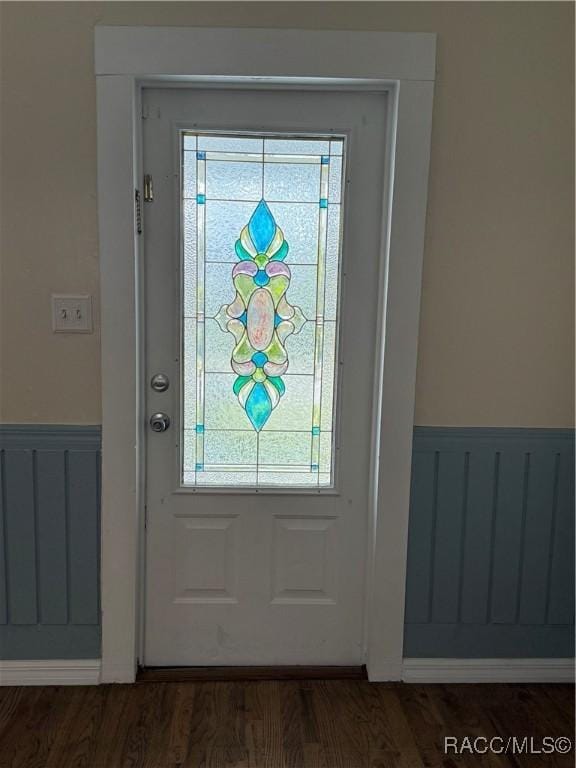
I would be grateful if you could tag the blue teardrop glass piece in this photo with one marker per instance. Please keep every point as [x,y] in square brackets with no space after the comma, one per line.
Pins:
[261,278]
[262,227]
[258,406]
[259,358]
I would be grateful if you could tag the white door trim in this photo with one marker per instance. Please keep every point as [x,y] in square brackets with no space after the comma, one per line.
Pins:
[127,58]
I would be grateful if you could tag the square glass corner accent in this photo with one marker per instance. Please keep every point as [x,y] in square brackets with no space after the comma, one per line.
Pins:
[261,243]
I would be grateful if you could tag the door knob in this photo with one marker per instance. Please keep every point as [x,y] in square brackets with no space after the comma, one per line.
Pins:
[159,422]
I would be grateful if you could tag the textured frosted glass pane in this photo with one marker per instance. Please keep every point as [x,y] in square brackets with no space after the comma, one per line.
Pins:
[226,479]
[328,375]
[299,222]
[189,478]
[335,180]
[302,290]
[285,448]
[219,287]
[190,262]
[219,346]
[229,144]
[297,146]
[224,222]
[222,410]
[189,175]
[332,259]
[228,447]
[300,347]
[189,373]
[295,409]
[324,478]
[189,450]
[283,479]
[233,181]
[325,451]
[189,142]
[292,181]
[337,147]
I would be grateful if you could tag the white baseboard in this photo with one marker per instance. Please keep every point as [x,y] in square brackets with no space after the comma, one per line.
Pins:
[87,671]
[50,672]
[488,671]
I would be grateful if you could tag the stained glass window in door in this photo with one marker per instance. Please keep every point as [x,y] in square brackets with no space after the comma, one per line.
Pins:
[261,236]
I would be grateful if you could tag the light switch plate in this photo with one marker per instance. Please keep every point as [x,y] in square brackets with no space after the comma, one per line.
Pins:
[71,314]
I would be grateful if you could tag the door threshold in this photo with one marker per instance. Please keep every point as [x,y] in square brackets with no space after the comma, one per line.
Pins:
[199,674]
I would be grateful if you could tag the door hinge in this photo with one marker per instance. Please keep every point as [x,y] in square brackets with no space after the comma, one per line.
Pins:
[148,189]
[138,212]
[145,516]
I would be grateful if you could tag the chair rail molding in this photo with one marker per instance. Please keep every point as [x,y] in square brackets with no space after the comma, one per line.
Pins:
[128,59]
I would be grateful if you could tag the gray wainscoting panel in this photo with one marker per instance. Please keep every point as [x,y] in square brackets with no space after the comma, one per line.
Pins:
[49,542]
[491,543]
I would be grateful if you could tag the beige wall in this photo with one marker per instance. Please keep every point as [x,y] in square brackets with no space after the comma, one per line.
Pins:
[496,339]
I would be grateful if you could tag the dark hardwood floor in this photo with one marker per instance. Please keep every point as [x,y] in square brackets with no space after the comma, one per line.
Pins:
[270,724]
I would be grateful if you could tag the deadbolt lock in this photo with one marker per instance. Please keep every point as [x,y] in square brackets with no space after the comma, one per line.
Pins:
[159,422]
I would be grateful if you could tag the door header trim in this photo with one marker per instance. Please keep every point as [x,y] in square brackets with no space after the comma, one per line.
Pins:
[264,53]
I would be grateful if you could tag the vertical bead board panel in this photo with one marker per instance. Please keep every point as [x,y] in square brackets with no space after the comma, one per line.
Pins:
[49,542]
[491,544]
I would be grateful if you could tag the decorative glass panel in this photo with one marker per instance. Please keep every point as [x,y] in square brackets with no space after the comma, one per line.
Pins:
[261,261]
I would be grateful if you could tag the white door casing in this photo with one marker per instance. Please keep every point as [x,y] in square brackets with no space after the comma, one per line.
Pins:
[403,65]
[277,575]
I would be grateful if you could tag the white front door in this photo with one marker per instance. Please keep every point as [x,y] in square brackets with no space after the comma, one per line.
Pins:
[261,277]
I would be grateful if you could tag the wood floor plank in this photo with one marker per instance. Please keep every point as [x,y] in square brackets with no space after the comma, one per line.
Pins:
[203,725]
[36,731]
[426,722]
[144,706]
[75,738]
[158,743]
[291,719]
[276,724]
[116,723]
[339,752]
[10,702]
[561,698]
[183,695]
[391,734]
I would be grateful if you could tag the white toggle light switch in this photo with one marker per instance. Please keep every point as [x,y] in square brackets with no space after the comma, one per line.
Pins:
[71,314]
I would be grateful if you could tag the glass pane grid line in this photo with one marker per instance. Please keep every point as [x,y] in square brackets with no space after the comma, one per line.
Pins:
[262,468]
[319,336]
[200,306]
[266,431]
[209,198]
[259,157]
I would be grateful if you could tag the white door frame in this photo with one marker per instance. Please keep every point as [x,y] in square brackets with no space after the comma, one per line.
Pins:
[128,58]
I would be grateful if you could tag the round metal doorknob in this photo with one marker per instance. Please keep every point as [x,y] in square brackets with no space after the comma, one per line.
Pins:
[159,422]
